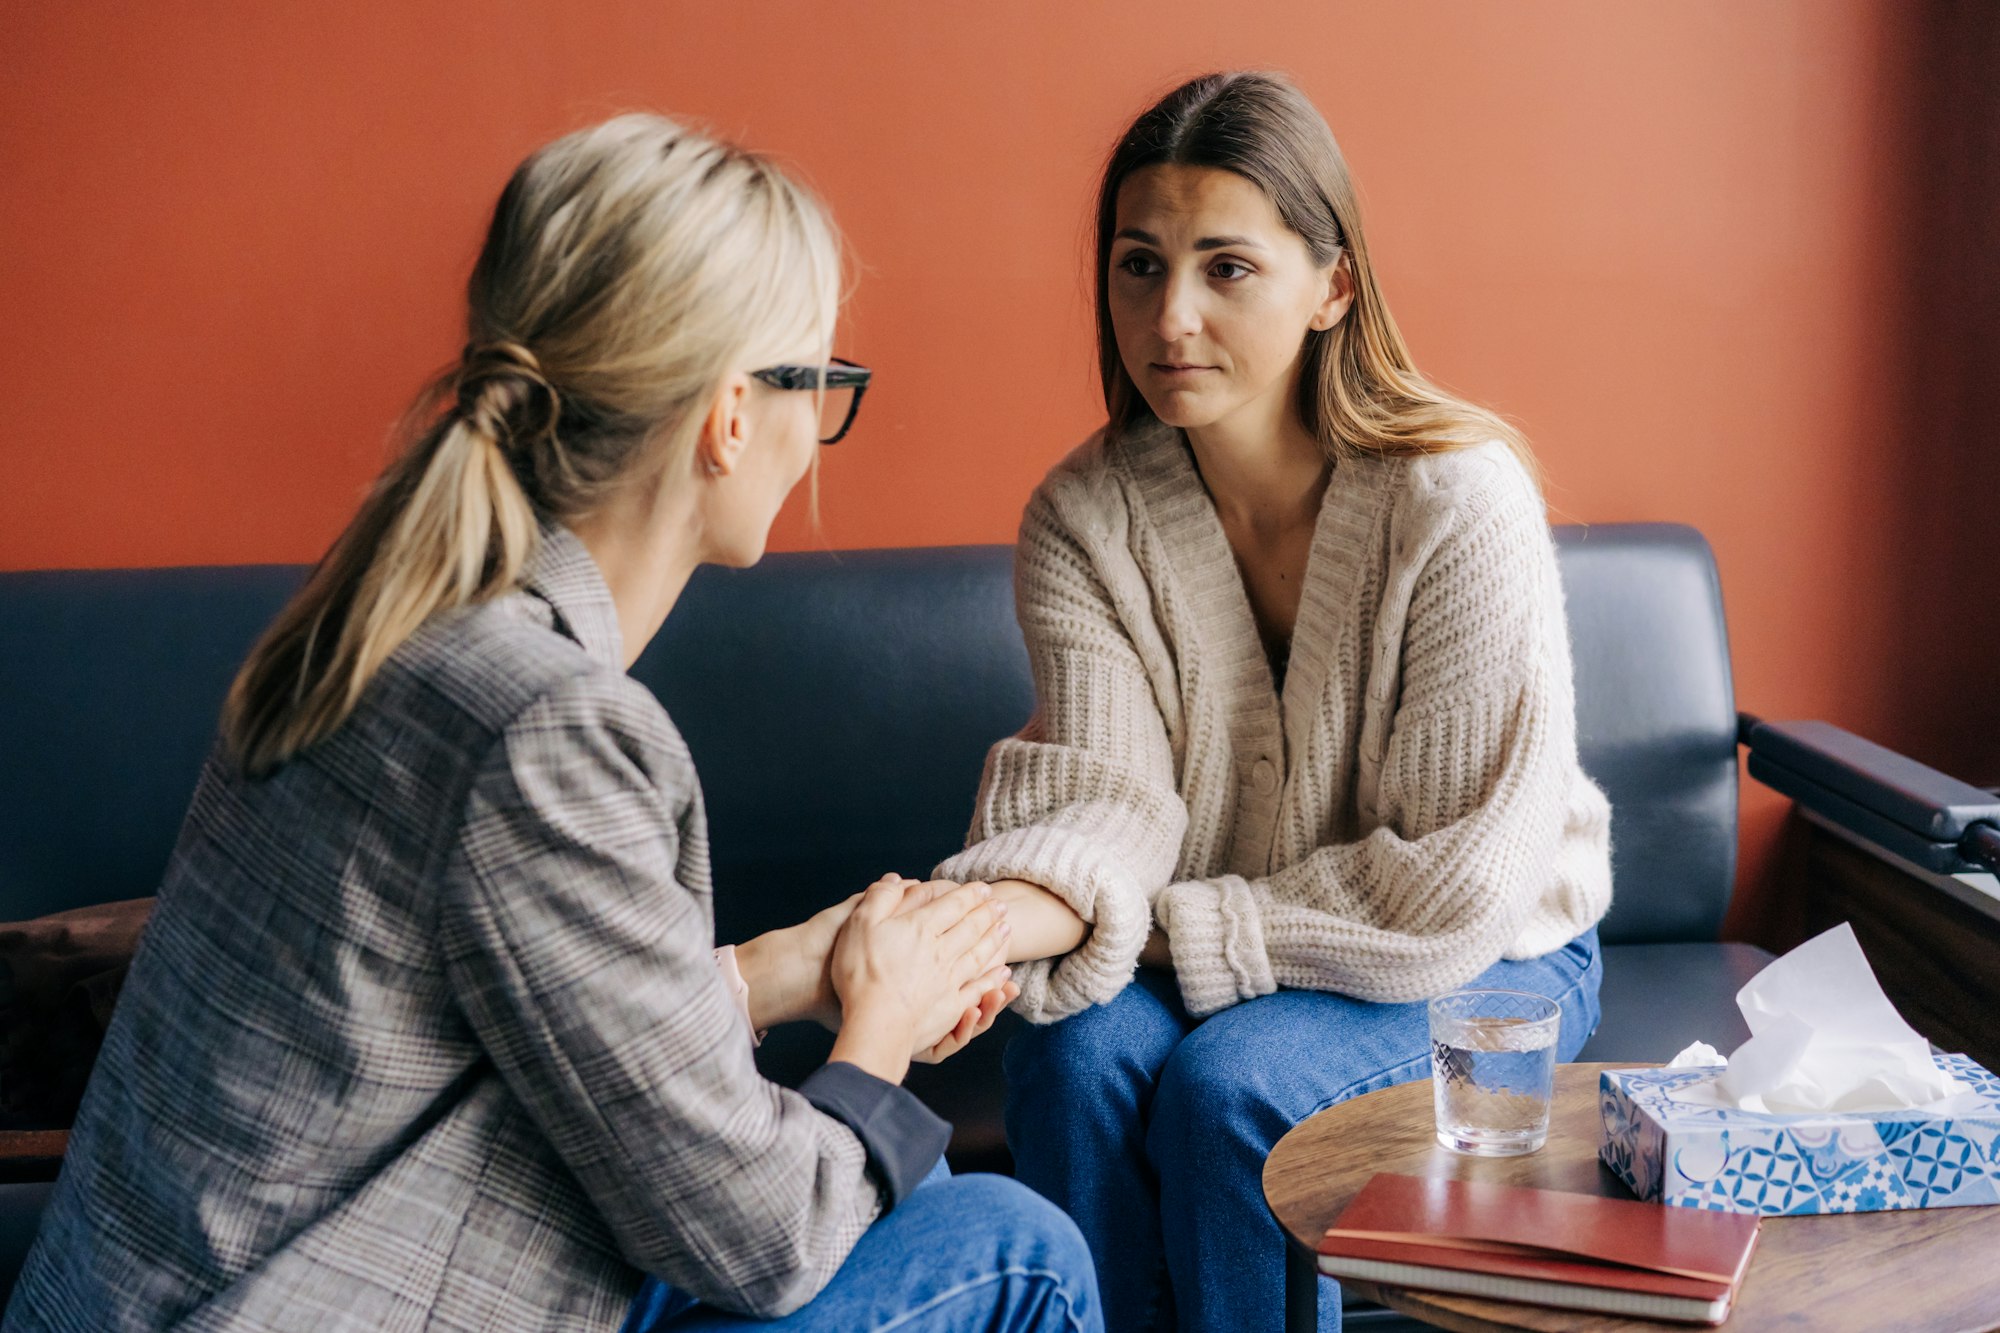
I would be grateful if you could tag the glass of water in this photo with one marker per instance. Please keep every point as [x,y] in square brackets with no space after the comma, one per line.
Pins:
[1493,1070]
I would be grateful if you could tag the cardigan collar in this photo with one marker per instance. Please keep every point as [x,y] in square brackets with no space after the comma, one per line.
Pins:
[563,574]
[1261,720]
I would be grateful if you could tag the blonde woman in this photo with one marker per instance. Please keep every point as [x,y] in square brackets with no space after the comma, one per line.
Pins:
[428,1031]
[1305,733]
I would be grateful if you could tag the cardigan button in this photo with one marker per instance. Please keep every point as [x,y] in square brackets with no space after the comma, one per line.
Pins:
[1264,777]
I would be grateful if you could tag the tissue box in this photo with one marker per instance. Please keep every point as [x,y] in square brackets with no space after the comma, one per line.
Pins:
[1694,1156]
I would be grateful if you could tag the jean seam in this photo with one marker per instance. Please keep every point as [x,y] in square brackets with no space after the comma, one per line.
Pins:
[1576,988]
[1158,1288]
[1576,983]
[1379,1074]
[1034,1274]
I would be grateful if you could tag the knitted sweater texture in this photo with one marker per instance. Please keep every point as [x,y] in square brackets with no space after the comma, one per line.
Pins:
[1407,812]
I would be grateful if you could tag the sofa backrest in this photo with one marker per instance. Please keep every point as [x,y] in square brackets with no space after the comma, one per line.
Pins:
[839,707]
[110,685]
[1656,721]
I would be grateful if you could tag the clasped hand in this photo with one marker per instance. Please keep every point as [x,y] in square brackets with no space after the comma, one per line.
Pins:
[929,958]
[915,965]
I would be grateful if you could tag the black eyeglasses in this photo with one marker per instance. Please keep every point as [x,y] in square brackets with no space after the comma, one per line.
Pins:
[841,385]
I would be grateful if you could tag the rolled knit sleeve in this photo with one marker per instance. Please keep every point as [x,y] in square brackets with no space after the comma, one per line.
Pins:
[1470,793]
[1083,801]
[580,953]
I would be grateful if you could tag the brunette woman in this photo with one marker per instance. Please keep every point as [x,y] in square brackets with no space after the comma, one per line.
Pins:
[1305,734]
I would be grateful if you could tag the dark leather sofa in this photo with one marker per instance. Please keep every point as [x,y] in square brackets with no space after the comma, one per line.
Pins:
[839,706]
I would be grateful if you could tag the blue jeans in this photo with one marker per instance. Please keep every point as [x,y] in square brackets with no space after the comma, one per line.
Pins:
[966,1254]
[1150,1128]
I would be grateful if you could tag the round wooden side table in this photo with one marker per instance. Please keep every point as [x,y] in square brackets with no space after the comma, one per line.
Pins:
[1913,1271]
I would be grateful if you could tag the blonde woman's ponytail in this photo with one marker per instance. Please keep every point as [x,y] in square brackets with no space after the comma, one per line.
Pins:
[448,524]
[627,267]
[467,529]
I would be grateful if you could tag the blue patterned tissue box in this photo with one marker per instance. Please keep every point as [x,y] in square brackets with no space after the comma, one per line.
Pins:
[1693,1156]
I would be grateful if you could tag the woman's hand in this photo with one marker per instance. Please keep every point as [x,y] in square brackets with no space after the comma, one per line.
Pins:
[906,978]
[975,1020]
[787,970]
[789,973]
[1000,991]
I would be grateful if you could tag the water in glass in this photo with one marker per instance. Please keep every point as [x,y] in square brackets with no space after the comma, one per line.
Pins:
[1493,1068]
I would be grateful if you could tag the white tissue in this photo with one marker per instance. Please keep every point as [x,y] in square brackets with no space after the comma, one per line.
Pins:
[1825,1038]
[1700,1053]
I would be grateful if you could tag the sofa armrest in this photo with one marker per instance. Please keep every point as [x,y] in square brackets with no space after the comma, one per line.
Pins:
[31,1155]
[1903,854]
[1906,808]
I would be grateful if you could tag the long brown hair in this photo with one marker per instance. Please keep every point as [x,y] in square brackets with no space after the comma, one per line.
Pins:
[1359,391]
[628,268]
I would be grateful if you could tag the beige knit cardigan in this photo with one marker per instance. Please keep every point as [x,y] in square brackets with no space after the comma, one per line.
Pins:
[1409,811]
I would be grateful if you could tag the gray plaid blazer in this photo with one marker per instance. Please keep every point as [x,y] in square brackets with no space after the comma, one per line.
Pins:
[425,1032]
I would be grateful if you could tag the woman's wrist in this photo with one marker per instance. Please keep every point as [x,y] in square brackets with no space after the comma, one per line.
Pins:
[784,983]
[878,1048]
[1044,926]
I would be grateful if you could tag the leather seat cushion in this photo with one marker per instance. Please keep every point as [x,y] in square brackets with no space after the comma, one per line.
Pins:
[1657,998]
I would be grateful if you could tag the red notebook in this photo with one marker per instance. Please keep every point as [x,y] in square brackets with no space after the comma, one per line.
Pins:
[1542,1247]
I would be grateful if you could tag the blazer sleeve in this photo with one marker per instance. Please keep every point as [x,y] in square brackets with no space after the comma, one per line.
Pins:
[1083,801]
[1477,806]
[584,964]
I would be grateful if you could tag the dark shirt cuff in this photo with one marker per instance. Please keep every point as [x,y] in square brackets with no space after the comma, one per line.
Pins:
[903,1138]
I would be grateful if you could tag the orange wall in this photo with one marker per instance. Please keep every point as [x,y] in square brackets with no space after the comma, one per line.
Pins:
[232,238]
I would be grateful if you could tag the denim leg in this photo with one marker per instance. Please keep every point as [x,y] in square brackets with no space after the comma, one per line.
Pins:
[1230,1092]
[968,1254]
[1571,976]
[657,1304]
[1242,1079]
[1078,1095]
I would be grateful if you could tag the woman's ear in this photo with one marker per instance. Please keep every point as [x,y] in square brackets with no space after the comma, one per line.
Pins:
[726,431]
[1339,295]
